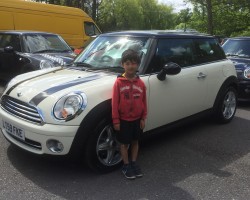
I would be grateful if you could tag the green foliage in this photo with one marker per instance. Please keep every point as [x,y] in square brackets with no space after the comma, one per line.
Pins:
[229,17]
[134,14]
[219,17]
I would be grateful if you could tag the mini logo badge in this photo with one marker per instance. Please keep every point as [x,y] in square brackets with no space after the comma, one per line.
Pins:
[19,94]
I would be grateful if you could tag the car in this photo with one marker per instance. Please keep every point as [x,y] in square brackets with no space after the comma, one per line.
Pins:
[25,51]
[237,49]
[67,111]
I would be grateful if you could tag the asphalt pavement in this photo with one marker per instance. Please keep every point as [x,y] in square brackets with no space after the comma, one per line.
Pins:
[203,160]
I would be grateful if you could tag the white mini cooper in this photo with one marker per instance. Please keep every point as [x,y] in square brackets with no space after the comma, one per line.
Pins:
[67,111]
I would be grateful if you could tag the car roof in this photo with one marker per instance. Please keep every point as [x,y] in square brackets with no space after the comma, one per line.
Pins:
[158,33]
[21,32]
[240,38]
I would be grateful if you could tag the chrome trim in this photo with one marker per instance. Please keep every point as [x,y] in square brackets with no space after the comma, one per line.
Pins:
[22,110]
[82,108]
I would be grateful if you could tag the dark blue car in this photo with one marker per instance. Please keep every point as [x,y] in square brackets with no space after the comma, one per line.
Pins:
[238,50]
[25,51]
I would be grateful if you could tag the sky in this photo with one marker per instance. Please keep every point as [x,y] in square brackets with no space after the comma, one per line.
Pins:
[177,4]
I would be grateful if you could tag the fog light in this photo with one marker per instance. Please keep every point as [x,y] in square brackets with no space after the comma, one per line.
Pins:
[54,146]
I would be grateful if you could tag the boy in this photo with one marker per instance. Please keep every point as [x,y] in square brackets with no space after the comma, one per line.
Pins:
[129,111]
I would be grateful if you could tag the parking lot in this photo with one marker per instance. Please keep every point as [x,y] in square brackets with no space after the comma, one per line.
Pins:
[200,161]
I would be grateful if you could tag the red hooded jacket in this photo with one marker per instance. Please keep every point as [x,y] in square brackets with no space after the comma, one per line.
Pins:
[129,100]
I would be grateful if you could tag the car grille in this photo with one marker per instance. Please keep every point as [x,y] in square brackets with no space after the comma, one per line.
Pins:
[21,109]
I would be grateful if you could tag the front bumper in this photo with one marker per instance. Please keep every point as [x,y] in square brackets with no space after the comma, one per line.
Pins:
[36,136]
[244,91]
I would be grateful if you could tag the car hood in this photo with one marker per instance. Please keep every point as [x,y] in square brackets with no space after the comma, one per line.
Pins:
[240,63]
[61,58]
[35,87]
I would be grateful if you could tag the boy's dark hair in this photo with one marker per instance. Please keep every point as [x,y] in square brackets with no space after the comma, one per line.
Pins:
[130,55]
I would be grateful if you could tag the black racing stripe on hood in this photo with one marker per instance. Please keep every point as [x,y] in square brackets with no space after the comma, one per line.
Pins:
[14,86]
[43,95]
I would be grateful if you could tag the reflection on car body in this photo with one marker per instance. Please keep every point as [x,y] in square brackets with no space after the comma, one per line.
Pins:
[22,52]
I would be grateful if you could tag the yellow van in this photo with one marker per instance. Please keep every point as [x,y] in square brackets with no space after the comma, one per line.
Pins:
[73,24]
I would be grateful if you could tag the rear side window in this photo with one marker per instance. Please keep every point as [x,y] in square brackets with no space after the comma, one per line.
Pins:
[207,50]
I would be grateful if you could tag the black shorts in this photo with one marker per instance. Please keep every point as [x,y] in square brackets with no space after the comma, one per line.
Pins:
[129,131]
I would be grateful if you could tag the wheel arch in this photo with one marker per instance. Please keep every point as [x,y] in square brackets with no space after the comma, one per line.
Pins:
[230,81]
[99,112]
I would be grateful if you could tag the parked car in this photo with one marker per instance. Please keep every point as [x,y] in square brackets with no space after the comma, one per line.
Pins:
[22,51]
[238,50]
[67,111]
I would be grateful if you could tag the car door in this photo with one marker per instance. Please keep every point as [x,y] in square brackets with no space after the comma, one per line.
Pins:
[178,96]
[9,59]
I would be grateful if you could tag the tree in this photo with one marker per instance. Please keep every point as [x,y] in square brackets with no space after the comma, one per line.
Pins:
[183,18]
[224,17]
[134,14]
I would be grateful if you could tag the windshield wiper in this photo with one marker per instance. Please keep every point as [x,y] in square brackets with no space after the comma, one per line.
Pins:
[63,50]
[46,50]
[81,64]
[107,68]
[238,55]
[243,56]
[231,54]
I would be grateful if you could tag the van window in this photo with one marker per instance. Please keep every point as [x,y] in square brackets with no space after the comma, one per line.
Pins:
[91,29]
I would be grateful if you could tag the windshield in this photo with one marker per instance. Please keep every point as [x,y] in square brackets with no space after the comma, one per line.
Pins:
[239,48]
[38,43]
[105,52]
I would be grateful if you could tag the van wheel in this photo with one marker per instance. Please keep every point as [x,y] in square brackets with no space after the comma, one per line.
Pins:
[227,105]
[102,152]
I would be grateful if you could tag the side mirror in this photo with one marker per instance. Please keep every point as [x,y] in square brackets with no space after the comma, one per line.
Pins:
[9,49]
[169,69]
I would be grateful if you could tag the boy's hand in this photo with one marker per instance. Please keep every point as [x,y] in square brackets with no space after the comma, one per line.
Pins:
[117,127]
[142,124]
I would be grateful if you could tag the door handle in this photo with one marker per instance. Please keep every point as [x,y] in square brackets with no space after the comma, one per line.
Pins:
[201,75]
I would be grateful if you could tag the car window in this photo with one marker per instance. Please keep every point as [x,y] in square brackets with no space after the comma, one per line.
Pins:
[10,40]
[207,50]
[107,51]
[91,29]
[237,47]
[179,51]
[35,43]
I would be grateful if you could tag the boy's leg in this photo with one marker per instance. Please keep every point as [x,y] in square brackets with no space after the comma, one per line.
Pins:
[126,169]
[134,150]
[124,153]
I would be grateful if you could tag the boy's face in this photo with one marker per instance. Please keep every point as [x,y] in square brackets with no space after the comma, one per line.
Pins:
[130,67]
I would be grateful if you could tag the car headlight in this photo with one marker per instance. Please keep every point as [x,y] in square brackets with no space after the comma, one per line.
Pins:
[69,106]
[247,72]
[45,64]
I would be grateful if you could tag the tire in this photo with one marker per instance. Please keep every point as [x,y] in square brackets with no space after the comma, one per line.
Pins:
[102,153]
[227,105]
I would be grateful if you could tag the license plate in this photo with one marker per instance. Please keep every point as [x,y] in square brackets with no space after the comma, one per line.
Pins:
[13,130]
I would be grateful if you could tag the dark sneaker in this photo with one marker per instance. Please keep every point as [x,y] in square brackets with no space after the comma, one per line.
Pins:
[128,172]
[137,170]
